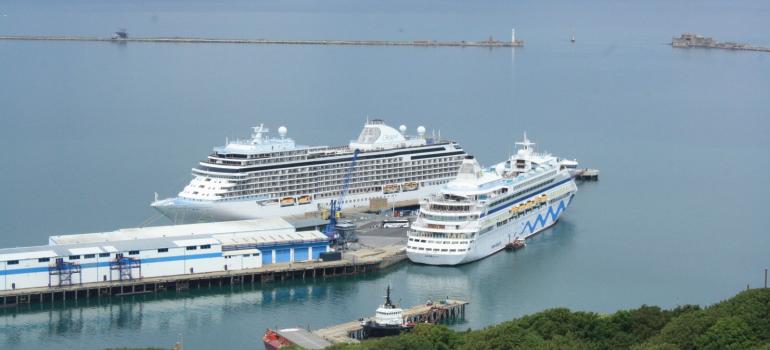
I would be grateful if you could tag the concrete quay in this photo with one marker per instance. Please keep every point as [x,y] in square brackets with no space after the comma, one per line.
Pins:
[437,312]
[192,40]
[357,262]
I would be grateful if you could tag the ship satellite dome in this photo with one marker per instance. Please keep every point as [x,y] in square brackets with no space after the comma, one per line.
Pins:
[282,131]
[521,152]
[421,130]
[402,128]
[500,169]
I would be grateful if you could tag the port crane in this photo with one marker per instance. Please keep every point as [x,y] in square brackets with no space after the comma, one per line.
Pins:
[336,205]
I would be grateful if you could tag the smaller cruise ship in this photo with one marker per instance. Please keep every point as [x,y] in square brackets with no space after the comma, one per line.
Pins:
[484,209]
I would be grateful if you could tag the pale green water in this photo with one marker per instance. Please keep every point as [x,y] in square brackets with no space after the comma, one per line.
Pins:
[90,131]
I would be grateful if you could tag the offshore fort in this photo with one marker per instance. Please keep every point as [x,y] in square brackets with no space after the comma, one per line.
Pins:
[687,40]
[122,37]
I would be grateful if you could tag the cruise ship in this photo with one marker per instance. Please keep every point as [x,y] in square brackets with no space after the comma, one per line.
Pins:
[268,176]
[484,209]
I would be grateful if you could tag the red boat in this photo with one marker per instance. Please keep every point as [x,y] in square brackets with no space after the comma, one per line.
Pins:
[273,341]
[276,339]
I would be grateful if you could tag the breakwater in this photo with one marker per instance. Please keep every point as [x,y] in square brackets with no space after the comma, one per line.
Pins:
[193,40]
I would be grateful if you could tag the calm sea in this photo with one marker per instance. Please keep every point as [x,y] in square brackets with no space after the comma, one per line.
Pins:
[89,131]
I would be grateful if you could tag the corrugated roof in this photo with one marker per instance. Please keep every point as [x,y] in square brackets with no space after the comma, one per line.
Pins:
[279,232]
[241,226]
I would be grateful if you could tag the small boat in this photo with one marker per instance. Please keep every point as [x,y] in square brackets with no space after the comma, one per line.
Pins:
[388,320]
[391,188]
[306,199]
[287,201]
[517,243]
[293,337]
[410,186]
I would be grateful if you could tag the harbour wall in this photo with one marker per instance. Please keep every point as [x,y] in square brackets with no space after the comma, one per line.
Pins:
[192,40]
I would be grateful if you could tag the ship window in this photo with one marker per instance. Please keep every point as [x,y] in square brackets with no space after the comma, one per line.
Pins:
[13,262]
[192,247]
[133,252]
[89,256]
[206,246]
[104,255]
[44,260]
[163,250]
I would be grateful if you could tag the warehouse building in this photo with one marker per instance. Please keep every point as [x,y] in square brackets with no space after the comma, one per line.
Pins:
[128,254]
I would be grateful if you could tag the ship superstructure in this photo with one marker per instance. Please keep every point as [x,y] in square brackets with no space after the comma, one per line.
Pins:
[272,176]
[388,320]
[484,209]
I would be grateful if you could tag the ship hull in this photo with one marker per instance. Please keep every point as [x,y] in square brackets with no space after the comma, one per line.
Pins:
[495,240]
[375,331]
[181,211]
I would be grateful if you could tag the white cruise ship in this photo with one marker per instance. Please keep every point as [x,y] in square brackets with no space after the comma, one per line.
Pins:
[273,177]
[483,210]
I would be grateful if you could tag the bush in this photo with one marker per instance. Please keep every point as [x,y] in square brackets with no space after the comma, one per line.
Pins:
[740,322]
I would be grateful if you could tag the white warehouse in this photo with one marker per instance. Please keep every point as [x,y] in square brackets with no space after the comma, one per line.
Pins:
[129,254]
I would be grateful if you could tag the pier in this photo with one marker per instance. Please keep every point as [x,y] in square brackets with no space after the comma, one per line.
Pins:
[438,312]
[194,40]
[587,174]
[353,263]
[687,40]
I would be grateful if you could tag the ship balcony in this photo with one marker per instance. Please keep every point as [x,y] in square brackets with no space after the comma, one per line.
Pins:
[451,210]
[419,228]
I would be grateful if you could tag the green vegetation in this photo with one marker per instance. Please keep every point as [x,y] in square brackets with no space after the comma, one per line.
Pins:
[741,322]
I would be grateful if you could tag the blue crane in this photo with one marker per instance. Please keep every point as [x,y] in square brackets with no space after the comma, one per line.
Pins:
[336,205]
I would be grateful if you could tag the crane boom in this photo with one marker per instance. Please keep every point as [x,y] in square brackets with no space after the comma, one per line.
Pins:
[336,205]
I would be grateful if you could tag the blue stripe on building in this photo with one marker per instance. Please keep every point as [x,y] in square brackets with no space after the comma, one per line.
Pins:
[107,263]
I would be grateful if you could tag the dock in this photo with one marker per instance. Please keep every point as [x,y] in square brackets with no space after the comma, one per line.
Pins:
[358,262]
[688,40]
[490,43]
[587,174]
[438,312]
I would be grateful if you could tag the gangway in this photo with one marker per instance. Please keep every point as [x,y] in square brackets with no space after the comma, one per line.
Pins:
[64,271]
[126,267]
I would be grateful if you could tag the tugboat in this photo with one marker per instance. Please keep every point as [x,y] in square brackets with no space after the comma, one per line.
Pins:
[388,320]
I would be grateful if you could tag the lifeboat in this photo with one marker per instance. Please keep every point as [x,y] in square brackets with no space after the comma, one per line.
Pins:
[391,188]
[306,199]
[268,202]
[410,186]
[287,201]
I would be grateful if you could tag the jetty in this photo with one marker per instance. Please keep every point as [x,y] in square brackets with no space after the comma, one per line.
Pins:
[688,40]
[436,312]
[587,174]
[124,38]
